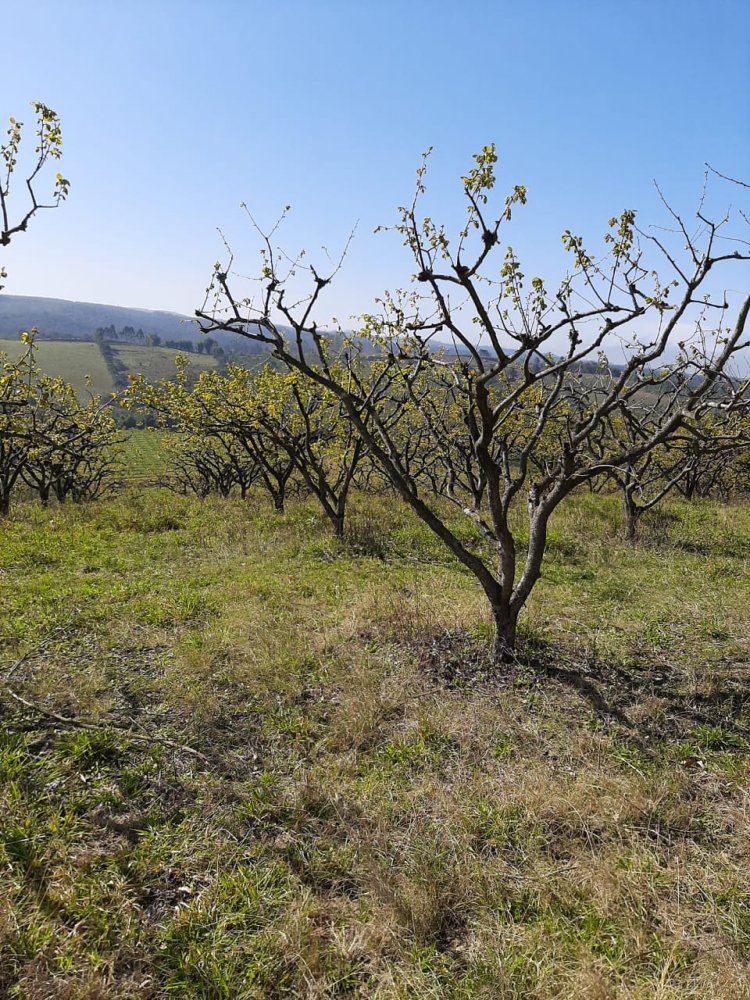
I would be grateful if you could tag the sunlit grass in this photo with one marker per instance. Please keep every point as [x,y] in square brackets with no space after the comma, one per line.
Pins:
[376,814]
[77,362]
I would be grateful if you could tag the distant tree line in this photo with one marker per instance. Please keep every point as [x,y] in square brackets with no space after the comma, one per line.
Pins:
[130,335]
[126,334]
[117,370]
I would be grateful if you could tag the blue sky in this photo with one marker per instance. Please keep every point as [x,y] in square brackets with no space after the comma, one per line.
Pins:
[175,112]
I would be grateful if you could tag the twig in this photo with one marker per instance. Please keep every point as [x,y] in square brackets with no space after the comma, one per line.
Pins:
[82,724]
[143,737]
[724,177]
[19,663]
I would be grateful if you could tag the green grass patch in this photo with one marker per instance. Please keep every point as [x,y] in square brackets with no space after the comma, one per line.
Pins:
[354,822]
[144,454]
[156,363]
[81,364]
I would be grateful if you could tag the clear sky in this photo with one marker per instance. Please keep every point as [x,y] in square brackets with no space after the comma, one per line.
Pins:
[175,111]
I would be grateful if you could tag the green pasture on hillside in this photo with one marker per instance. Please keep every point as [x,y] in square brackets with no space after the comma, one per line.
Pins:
[158,362]
[75,361]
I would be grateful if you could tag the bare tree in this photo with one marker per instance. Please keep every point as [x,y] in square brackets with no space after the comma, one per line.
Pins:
[221,432]
[77,447]
[693,462]
[49,439]
[16,425]
[48,147]
[14,430]
[528,370]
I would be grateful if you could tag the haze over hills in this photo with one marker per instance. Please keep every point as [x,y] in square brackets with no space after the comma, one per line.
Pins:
[62,319]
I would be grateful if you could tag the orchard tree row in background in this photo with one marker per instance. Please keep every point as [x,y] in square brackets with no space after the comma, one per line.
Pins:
[527,407]
[272,430]
[523,406]
[269,427]
[51,442]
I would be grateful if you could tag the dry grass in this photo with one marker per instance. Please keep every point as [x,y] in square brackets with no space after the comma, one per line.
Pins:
[381,815]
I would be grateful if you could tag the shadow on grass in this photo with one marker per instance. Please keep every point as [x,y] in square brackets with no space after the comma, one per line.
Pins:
[626,692]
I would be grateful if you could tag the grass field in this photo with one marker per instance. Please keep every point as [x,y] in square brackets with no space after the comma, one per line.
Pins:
[144,455]
[158,362]
[359,807]
[73,361]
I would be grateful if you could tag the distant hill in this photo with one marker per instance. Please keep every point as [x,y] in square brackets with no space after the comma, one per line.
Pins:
[67,345]
[63,319]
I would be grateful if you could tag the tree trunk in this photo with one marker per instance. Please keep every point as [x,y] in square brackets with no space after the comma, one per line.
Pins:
[4,503]
[504,642]
[632,514]
[631,528]
[278,501]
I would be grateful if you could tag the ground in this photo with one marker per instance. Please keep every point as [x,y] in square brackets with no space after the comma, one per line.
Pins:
[301,777]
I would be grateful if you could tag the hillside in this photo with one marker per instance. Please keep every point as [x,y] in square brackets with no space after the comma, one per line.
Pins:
[77,362]
[71,361]
[158,362]
[78,320]
[61,319]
